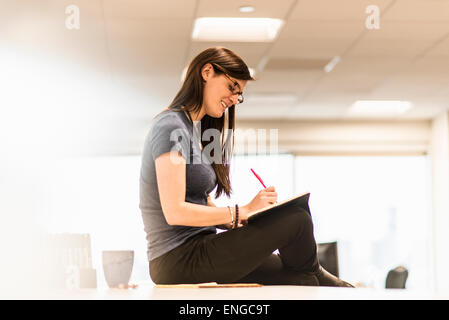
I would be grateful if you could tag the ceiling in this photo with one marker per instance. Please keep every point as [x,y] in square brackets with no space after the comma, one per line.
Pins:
[135,51]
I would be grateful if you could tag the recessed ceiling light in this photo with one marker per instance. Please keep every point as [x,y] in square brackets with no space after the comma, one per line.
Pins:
[379,107]
[246,9]
[236,29]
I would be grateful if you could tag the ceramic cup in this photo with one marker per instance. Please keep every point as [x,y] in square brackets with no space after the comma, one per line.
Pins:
[117,266]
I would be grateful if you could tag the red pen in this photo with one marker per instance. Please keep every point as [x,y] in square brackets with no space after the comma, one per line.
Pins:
[257,176]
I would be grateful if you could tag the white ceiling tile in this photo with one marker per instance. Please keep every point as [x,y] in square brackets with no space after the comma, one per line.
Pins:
[43,32]
[147,92]
[381,47]
[136,46]
[407,87]
[284,81]
[335,98]
[442,95]
[426,111]
[413,30]
[318,29]
[325,48]
[262,112]
[230,8]
[439,49]
[133,56]
[251,53]
[46,9]
[376,66]
[159,9]
[150,29]
[317,112]
[436,67]
[331,10]
[418,10]
[350,83]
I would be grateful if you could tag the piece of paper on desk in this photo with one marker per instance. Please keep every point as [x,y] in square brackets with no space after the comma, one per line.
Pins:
[210,285]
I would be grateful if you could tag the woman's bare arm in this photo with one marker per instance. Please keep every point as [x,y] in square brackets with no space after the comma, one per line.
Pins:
[171,181]
[226,226]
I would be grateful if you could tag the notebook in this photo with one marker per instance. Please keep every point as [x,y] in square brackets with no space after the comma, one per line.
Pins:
[301,201]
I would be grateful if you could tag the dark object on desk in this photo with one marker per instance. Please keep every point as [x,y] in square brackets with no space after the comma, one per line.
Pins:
[396,278]
[328,256]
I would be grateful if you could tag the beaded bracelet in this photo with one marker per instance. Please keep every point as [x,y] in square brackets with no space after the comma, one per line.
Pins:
[236,222]
[232,216]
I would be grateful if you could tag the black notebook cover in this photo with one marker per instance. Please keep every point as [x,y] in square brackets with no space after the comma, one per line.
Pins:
[301,201]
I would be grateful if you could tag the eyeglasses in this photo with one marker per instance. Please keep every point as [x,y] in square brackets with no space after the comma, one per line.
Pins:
[232,88]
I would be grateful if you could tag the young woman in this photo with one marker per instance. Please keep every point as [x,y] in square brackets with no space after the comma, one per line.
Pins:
[178,173]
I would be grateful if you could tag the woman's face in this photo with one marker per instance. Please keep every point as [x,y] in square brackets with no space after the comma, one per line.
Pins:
[220,91]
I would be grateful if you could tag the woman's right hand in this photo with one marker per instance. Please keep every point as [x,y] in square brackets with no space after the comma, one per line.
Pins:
[263,198]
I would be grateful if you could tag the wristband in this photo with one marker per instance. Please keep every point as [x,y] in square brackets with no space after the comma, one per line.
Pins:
[236,222]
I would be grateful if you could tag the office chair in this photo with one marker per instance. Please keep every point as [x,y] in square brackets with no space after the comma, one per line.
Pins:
[74,260]
[396,278]
[328,256]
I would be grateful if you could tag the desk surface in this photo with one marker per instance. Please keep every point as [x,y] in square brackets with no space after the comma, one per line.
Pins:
[147,291]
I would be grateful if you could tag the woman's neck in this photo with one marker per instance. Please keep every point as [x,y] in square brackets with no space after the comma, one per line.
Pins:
[197,116]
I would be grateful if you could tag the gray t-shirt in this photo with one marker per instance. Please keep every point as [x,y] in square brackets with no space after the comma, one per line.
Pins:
[171,130]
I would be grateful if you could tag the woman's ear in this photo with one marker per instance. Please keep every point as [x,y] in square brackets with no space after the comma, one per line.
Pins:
[207,71]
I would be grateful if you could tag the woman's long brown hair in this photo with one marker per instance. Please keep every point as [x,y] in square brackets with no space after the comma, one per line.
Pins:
[190,98]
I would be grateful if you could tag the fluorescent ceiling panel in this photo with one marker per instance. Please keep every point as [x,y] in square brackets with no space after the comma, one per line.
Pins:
[236,29]
[379,107]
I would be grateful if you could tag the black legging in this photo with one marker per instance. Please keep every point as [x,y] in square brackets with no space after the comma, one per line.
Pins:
[245,254]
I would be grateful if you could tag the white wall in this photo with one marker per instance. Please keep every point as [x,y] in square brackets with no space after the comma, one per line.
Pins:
[439,153]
